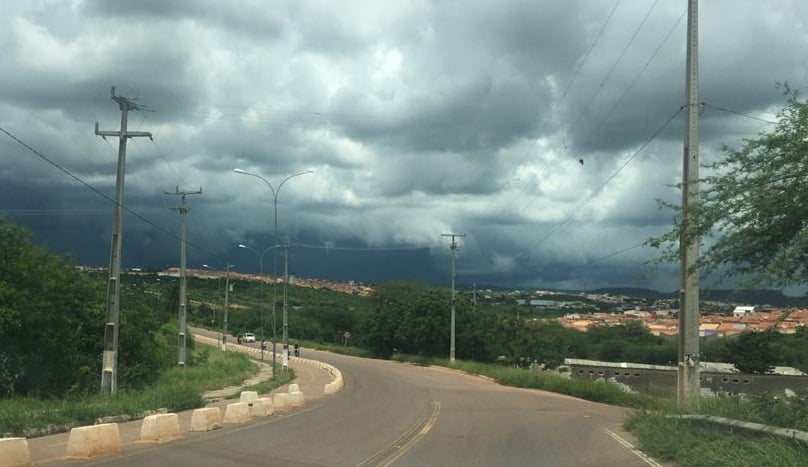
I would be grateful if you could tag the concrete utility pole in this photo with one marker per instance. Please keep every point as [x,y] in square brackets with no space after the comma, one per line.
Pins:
[688,386]
[226,304]
[286,307]
[181,346]
[454,247]
[109,364]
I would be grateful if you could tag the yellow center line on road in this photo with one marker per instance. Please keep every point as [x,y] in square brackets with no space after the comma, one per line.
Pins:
[390,453]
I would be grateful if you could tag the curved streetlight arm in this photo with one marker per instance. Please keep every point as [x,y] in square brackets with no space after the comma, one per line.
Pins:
[244,172]
[291,177]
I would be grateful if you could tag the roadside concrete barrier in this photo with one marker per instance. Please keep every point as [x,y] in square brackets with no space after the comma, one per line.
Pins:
[281,402]
[206,419]
[160,428]
[237,412]
[93,440]
[248,396]
[294,387]
[296,398]
[330,389]
[14,452]
[262,407]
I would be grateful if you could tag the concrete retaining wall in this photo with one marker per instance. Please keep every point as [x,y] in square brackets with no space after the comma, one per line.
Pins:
[93,440]
[14,452]
[661,380]
[206,419]
[160,428]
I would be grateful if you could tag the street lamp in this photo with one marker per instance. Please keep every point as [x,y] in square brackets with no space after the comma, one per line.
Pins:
[261,276]
[218,291]
[226,297]
[275,238]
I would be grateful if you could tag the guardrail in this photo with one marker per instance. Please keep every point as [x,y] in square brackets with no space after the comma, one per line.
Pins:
[787,433]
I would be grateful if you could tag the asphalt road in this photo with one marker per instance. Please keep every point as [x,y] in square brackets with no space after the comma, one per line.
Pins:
[397,414]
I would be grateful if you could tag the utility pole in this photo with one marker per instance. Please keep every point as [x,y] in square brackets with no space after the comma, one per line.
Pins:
[286,307]
[181,346]
[109,364]
[454,247]
[226,304]
[474,294]
[688,386]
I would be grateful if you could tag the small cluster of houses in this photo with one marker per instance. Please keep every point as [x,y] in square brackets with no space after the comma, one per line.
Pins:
[666,322]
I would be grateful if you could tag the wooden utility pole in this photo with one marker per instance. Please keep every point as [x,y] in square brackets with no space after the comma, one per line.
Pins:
[109,362]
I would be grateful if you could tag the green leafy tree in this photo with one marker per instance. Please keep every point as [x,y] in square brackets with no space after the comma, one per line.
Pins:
[753,206]
[754,352]
[50,317]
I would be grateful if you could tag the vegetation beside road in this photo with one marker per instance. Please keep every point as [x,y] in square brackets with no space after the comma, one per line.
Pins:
[597,391]
[175,389]
[268,385]
[693,443]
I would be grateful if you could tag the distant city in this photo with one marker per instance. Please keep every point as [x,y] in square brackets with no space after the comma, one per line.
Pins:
[577,310]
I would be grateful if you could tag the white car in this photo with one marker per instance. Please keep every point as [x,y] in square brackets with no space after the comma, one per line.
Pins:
[249,337]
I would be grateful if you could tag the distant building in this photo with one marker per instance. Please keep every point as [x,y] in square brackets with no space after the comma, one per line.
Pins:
[741,311]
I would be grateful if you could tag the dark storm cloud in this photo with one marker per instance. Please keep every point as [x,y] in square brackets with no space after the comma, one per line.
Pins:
[417,118]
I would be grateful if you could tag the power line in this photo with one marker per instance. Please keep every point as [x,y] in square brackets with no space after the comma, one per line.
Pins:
[615,253]
[597,190]
[324,247]
[33,212]
[736,112]
[610,113]
[599,88]
[572,79]
[100,193]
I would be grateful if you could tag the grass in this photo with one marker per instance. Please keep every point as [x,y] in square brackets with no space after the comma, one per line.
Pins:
[785,412]
[266,386]
[335,348]
[175,390]
[693,443]
[597,391]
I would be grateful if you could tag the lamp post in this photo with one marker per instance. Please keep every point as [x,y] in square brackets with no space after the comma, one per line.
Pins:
[261,276]
[218,291]
[275,193]
[226,302]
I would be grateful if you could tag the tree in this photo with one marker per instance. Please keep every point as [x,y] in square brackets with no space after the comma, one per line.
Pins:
[753,208]
[754,352]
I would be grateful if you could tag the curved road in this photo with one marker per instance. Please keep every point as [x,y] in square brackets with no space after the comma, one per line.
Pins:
[397,414]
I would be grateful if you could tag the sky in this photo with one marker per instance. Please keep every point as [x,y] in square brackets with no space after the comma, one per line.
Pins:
[546,131]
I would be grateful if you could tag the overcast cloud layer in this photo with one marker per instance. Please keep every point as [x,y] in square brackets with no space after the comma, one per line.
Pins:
[417,118]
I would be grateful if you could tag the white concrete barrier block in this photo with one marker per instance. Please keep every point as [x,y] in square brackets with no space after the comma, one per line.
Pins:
[294,387]
[206,419]
[297,399]
[262,407]
[248,396]
[160,428]
[282,402]
[14,452]
[93,440]
[237,412]
[329,389]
